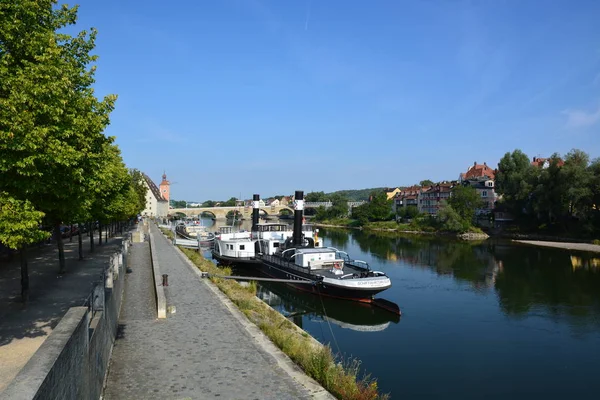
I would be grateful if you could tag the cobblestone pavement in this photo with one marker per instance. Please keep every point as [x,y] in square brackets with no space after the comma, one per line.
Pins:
[200,352]
[24,327]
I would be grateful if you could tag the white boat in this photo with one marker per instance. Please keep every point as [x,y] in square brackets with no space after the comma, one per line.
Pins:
[298,261]
[194,231]
[241,247]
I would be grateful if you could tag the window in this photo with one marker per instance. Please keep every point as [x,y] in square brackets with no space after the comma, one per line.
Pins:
[242,247]
[484,193]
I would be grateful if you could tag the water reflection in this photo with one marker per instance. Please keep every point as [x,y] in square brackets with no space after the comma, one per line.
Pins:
[296,305]
[523,277]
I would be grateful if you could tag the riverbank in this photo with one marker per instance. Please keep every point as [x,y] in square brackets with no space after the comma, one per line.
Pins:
[462,236]
[563,245]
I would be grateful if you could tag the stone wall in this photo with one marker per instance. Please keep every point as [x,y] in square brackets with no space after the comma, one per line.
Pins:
[72,362]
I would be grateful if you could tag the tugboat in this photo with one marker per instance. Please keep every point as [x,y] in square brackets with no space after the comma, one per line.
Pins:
[240,248]
[332,271]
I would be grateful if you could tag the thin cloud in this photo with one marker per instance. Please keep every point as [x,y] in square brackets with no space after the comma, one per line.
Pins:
[581,118]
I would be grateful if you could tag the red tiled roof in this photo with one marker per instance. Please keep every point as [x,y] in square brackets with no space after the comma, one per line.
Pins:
[479,170]
[539,162]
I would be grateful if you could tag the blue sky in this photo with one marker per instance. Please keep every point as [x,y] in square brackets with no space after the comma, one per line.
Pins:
[234,97]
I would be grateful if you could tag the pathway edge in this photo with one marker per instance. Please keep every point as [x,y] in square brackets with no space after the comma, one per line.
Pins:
[283,361]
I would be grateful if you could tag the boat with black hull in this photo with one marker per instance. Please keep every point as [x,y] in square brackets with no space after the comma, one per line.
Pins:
[240,247]
[332,271]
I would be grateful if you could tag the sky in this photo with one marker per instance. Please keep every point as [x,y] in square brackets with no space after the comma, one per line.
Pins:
[235,97]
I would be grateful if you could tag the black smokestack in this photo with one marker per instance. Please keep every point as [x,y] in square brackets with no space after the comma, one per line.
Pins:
[298,215]
[255,211]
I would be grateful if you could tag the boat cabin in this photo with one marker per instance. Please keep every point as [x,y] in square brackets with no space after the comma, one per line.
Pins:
[319,258]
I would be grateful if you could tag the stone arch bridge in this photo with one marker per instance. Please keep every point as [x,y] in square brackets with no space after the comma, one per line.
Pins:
[221,212]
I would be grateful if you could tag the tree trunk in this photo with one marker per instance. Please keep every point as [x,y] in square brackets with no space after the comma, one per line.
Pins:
[106,233]
[99,233]
[91,231]
[70,233]
[24,275]
[80,239]
[61,249]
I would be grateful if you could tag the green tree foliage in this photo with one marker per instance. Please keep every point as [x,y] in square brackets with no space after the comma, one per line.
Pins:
[208,203]
[378,209]
[464,201]
[451,221]
[20,227]
[514,180]
[229,203]
[339,208]
[51,123]
[426,182]
[315,197]
[562,196]
[408,212]
[19,223]
[178,203]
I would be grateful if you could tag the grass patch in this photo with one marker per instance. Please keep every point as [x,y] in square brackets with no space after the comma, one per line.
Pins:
[168,233]
[339,378]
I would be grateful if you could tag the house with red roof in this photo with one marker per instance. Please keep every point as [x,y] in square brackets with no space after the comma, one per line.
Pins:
[478,171]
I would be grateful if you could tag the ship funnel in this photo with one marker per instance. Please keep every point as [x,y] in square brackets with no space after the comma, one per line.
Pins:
[255,211]
[298,216]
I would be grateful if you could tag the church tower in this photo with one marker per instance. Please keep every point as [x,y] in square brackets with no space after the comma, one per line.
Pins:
[164,187]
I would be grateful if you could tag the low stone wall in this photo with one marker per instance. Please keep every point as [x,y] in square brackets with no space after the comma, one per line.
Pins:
[161,300]
[72,362]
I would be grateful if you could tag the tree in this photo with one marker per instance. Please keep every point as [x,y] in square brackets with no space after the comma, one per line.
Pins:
[315,197]
[51,123]
[426,182]
[208,203]
[178,203]
[408,212]
[19,227]
[514,180]
[451,221]
[379,208]
[464,201]
[229,203]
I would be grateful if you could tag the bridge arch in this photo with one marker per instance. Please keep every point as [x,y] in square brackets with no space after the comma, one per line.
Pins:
[207,214]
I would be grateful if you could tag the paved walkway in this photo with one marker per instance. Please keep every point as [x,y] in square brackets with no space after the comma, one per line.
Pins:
[200,352]
[563,245]
[23,328]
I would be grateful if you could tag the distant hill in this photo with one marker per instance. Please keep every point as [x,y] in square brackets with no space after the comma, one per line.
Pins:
[357,195]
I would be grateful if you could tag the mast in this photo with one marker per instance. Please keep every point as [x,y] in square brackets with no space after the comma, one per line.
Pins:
[298,215]
[255,212]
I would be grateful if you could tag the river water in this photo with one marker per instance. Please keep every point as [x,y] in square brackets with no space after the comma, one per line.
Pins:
[485,320]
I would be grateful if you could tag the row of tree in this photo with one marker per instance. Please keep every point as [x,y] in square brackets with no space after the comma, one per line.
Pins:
[56,165]
[561,196]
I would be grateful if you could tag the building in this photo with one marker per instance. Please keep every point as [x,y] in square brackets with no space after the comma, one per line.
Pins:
[392,192]
[432,199]
[156,204]
[544,163]
[272,202]
[165,187]
[408,197]
[478,171]
[485,188]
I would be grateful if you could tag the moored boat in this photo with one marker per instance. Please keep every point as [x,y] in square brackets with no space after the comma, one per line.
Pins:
[241,247]
[333,272]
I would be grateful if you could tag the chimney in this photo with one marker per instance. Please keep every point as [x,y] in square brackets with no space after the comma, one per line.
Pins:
[474,163]
[255,211]
[298,215]
[484,163]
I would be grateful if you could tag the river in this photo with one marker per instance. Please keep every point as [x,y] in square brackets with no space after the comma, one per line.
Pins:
[479,320]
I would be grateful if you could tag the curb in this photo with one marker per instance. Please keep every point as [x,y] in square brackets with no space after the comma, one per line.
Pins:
[161,300]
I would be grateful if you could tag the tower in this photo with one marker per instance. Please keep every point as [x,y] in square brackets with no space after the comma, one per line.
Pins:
[164,187]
